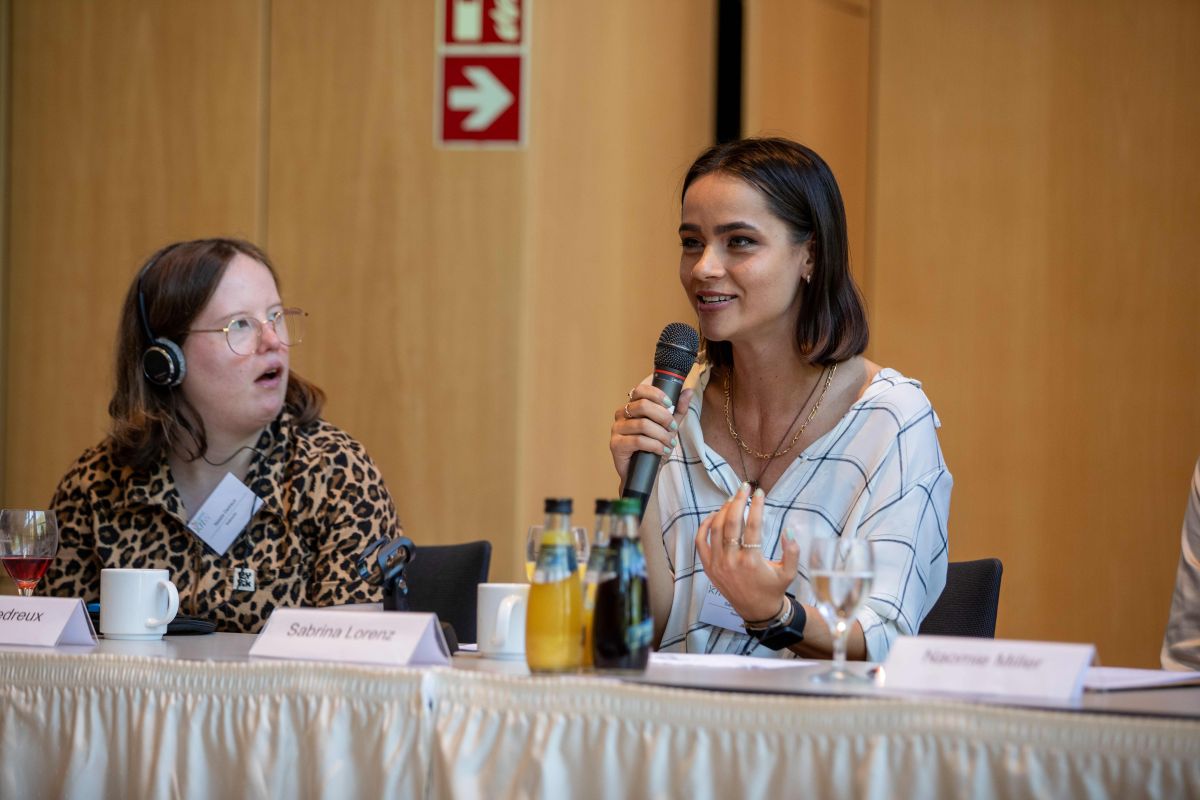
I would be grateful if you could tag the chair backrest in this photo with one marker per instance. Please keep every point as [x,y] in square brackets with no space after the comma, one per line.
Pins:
[443,579]
[969,602]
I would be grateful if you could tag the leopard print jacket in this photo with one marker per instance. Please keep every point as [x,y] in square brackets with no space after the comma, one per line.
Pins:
[323,502]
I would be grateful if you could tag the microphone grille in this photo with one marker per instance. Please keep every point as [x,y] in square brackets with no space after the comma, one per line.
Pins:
[677,347]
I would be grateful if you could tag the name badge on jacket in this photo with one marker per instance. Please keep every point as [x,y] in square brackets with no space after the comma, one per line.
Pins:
[225,514]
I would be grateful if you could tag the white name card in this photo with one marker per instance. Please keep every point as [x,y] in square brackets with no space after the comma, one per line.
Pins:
[987,667]
[225,514]
[45,621]
[396,638]
[717,611]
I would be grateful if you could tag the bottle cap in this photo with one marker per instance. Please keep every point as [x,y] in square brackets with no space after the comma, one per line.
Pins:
[627,505]
[558,505]
[603,506]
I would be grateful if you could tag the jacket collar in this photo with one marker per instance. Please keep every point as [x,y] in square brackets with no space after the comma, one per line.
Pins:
[156,486]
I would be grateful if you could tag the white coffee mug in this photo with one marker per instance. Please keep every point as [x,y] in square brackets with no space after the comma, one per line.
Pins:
[136,603]
[500,619]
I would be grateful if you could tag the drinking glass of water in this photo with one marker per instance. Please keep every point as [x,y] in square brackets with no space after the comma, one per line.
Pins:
[533,543]
[28,543]
[841,572]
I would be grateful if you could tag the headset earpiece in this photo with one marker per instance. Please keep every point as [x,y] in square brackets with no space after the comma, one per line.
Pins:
[162,360]
[163,363]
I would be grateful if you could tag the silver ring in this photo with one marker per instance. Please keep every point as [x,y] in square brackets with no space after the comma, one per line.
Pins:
[627,414]
[629,394]
[745,546]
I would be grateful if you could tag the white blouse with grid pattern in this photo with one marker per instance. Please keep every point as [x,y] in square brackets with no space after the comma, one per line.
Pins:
[878,475]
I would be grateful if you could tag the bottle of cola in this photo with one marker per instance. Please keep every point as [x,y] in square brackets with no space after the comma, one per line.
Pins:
[622,627]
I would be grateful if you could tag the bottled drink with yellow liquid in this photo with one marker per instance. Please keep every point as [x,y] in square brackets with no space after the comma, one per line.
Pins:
[533,543]
[592,573]
[553,619]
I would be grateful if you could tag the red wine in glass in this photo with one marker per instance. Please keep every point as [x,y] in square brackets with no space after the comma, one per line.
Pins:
[25,570]
[28,543]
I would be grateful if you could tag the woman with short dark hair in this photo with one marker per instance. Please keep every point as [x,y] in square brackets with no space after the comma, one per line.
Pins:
[205,397]
[785,416]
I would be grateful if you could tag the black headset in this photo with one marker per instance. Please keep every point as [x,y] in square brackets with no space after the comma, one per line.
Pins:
[162,360]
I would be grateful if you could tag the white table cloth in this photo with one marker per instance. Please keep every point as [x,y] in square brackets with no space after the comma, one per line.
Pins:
[503,736]
[116,722]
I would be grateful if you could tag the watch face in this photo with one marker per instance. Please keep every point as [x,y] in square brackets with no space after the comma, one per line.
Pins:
[778,637]
[781,638]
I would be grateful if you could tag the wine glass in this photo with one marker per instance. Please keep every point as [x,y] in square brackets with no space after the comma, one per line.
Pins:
[533,543]
[841,572]
[28,543]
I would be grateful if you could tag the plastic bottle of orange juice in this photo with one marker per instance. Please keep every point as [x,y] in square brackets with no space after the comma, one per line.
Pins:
[554,621]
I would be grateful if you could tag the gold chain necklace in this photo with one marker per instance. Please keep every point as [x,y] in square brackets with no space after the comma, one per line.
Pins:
[756,482]
[767,456]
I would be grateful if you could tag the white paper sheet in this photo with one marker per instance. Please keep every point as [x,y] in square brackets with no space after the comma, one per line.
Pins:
[1114,679]
[725,661]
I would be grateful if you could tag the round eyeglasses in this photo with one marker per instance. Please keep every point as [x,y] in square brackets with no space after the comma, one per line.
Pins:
[244,334]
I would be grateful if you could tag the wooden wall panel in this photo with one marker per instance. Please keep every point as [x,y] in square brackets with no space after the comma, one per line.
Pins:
[1032,251]
[807,77]
[622,104]
[132,124]
[478,314]
[5,77]
[410,259]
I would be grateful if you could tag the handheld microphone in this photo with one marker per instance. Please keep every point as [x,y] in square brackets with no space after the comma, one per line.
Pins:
[673,359]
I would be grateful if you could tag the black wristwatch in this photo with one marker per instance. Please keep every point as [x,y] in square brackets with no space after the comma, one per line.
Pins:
[784,630]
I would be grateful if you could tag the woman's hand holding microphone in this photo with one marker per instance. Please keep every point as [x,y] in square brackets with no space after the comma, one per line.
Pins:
[729,542]
[648,422]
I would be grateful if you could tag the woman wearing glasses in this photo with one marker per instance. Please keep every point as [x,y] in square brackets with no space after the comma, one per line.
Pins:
[204,395]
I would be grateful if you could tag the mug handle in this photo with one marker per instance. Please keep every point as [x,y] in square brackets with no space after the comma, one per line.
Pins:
[172,606]
[503,618]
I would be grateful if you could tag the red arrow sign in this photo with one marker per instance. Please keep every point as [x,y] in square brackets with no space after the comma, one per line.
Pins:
[486,98]
[481,99]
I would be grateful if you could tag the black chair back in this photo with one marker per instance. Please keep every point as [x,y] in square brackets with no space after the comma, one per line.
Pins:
[443,579]
[970,601]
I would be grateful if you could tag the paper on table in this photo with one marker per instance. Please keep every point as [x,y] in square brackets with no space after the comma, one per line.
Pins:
[1114,679]
[724,661]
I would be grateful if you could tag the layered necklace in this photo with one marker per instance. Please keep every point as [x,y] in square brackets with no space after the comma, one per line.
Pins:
[828,372]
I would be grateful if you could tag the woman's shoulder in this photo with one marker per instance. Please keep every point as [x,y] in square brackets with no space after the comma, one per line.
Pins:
[319,438]
[95,472]
[896,394]
[95,461]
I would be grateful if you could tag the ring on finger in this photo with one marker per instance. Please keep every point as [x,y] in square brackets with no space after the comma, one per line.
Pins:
[753,546]
[733,542]
[629,394]
[627,414]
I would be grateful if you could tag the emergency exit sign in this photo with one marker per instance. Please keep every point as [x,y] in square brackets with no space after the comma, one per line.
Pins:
[482,60]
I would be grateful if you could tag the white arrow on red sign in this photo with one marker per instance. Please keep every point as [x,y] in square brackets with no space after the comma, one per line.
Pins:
[486,98]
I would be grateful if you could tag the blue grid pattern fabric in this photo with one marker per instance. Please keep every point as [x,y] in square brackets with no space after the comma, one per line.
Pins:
[878,475]
[1181,644]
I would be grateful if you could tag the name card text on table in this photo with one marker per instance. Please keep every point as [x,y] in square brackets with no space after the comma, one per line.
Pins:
[396,638]
[45,621]
[987,667]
